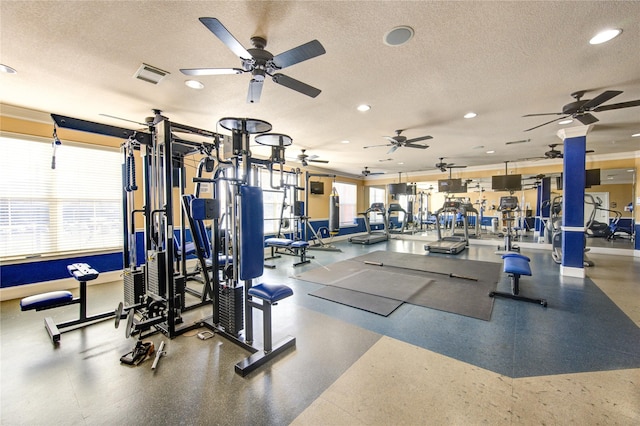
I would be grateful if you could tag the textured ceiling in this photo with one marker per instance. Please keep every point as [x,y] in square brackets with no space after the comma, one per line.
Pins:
[501,60]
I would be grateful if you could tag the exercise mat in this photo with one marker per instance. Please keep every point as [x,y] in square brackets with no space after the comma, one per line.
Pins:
[428,279]
[356,299]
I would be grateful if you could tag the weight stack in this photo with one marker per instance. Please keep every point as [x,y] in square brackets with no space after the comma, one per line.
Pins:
[156,267]
[230,309]
[133,287]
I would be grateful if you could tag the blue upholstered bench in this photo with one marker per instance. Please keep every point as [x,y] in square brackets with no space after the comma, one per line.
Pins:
[516,265]
[82,273]
[292,247]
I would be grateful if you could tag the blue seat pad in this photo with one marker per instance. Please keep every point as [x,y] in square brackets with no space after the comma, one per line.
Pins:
[516,264]
[270,292]
[45,299]
[299,244]
[278,242]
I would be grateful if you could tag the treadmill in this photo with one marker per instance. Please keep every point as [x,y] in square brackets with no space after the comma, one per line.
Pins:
[397,208]
[453,244]
[372,237]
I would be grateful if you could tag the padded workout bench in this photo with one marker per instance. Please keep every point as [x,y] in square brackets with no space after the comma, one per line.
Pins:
[292,247]
[82,272]
[516,265]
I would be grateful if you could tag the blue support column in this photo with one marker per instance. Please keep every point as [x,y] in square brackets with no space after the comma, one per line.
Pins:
[573,181]
[542,212]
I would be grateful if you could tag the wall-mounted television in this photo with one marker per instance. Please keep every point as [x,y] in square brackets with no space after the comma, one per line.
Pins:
[506,182]
[592,177]
[451,186]
[397,188]
[316,188]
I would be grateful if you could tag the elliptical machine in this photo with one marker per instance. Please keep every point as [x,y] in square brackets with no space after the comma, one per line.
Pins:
[508,206]
[555,226]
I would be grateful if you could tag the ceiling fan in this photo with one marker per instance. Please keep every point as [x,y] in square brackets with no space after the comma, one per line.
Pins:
[305,159]
[261,63]
[367,172]
[444,166]
[581,109]
[398,141]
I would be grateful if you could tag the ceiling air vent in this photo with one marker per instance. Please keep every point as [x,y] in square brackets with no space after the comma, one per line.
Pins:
[150,74]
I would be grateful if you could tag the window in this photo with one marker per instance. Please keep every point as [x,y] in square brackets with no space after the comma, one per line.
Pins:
[376,195]
[348,202]
[76,207]
[272,202]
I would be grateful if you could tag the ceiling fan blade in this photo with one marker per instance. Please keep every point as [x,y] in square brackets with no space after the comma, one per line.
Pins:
[375,146]
[393,149]
[544,113]
[452,166]
[617,106]
[548,122]
[600,99]
[421,138]
[391,139]
[587,119]
[410,145]
[255,90]
[225,36]
[317,161]
[298,54]
[210,71]
[296,85]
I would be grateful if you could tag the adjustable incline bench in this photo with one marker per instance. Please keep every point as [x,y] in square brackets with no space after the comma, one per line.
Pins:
[82,272]
[515,265]
[292,247]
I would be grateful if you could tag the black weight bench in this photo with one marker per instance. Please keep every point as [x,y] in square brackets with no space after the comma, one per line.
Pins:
[82,272]
[516,265]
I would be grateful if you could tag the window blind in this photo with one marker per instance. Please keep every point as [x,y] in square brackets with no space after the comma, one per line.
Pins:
[76,207]
[348,198]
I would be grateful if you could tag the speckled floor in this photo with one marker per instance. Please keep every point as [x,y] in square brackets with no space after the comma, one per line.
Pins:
[576,361]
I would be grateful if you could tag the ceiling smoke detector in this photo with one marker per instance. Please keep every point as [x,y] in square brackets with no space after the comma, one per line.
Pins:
[150,74]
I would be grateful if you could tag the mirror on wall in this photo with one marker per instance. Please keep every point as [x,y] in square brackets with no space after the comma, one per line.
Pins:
[614,196]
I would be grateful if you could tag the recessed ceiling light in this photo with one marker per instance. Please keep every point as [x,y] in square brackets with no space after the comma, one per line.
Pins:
[605,36]
[470,115]
[364,107]
[7,69]
[194,84]
[345,141]
[400,163]
[569,121]
[630,170]
[635,135]
[491,152]
[398,36]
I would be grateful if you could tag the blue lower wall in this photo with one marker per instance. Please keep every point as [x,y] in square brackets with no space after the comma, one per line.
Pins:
[48,270]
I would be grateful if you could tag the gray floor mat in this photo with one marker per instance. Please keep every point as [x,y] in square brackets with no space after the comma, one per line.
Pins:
[417,279]
[367,302]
